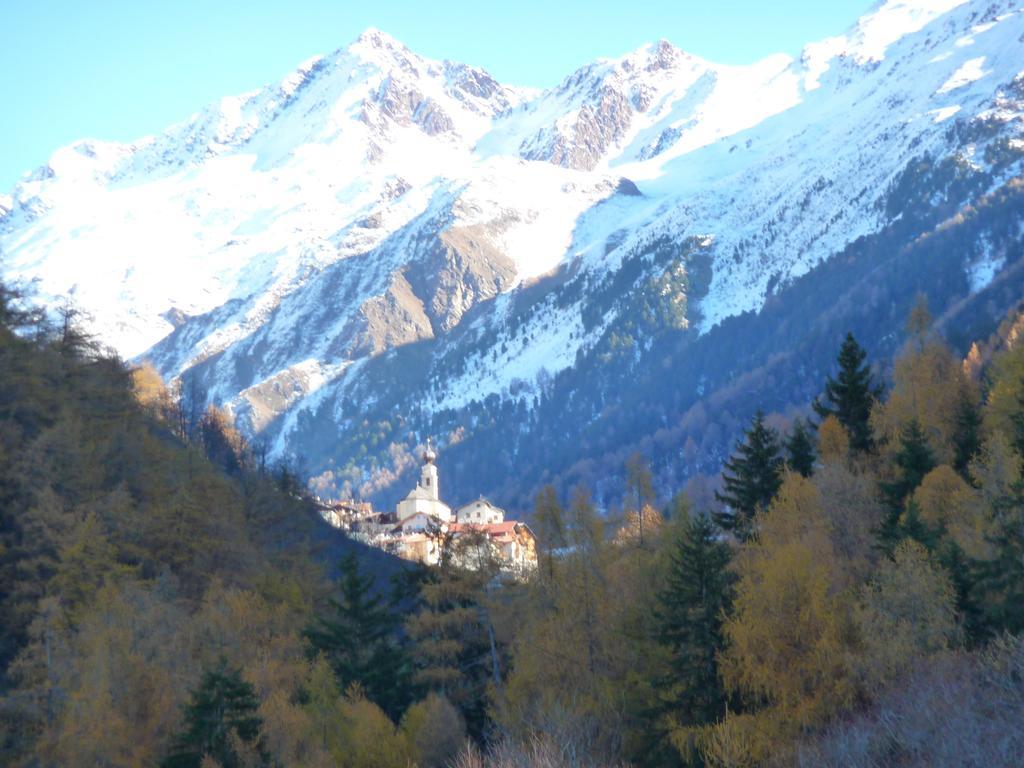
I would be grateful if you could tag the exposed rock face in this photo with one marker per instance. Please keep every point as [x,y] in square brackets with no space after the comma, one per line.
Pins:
[397,104]
[391,320]
[666,139]
[597,127]
[464,80]
[464,268]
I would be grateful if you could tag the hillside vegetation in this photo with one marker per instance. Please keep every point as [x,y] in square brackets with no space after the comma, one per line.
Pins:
[854,596]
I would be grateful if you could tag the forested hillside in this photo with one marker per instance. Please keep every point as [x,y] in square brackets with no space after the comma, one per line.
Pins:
[854,599]
[143,548]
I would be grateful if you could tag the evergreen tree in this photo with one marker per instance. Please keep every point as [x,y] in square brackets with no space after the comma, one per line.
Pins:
[751,478]
[913,461]
[1001,580]
[851,395]
[454,646]
[800,449]
[1018,424]
[221,714]
[913,527]
[357,640]
[691,608]
[967,434]
[963,575]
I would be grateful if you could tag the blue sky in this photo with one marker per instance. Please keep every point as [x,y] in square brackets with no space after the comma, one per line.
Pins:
[121,69]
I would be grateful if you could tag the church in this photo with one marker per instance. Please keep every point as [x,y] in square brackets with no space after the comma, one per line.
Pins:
[422,509]
[425,524]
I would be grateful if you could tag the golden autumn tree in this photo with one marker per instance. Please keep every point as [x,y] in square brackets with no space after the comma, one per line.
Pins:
[370,739]
[585,658]
[854,511]
[929,387]
[833,441]
[790,632]
[951,507]
[433,731]
[907,612]
[1005,391]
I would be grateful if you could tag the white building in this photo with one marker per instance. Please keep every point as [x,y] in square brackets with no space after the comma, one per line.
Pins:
[423,509]
[480,512]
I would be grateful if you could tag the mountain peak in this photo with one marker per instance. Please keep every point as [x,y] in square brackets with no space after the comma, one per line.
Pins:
[374,43]
[377,38]
[660,57]
[664,55]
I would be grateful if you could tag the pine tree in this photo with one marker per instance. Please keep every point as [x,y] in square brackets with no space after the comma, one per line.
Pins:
[913,461]
[913,527]
[851,395]
[800,449]
[356,639]
[967,434]
[1001,580]
[453,644]
[751,478]
[222,713]
[691,608]
[963,575]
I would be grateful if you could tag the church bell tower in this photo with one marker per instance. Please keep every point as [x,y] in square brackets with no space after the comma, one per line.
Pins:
[428,475]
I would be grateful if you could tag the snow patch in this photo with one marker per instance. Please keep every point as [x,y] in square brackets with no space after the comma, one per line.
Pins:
[944,113]
[969,72]
[981,273]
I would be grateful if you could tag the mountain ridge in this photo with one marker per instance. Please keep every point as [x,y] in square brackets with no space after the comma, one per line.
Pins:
[377,206]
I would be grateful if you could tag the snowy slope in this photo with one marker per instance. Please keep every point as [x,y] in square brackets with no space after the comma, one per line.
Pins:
[374,200]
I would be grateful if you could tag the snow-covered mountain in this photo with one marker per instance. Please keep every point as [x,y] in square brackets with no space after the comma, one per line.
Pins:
[382,245]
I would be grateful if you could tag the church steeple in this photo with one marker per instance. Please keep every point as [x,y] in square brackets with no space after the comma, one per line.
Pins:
[428,475]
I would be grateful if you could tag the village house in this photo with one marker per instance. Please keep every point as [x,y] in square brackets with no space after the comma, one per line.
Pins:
[346,514]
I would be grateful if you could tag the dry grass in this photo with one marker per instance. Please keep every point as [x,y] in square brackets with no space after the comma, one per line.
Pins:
[958,710]
[537,752]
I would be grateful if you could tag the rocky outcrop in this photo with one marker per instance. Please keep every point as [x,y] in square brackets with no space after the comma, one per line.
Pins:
[392,320]
[462,268]
[399,104]
[597,127]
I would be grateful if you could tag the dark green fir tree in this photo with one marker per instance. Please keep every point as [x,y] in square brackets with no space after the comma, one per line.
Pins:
[967,434]
[751,478]
[913,460]
[220,721]
[963,575]
[357,639]
[851,396]
[800,455]
[691,607]
[1001,579]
